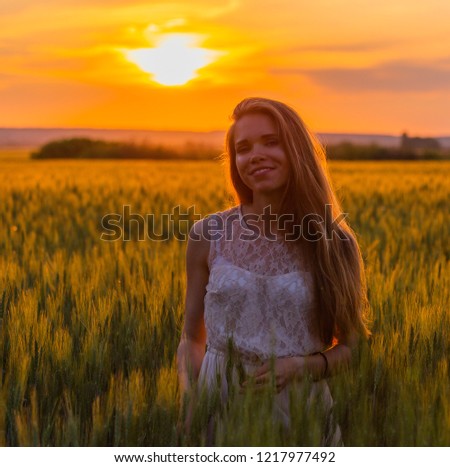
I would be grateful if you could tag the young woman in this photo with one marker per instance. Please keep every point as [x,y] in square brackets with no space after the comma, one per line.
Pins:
[278,279]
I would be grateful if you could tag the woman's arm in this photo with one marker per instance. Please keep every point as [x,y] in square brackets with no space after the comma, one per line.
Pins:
[191,349]
[337,357]
[314,366]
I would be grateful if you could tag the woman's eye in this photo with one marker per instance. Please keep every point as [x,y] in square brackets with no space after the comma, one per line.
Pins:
[272,142]
[242,149]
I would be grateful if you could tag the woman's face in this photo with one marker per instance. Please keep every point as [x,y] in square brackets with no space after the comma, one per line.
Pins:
[260,158]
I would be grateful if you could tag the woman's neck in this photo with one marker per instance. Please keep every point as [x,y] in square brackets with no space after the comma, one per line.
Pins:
[262,205]
[268,220]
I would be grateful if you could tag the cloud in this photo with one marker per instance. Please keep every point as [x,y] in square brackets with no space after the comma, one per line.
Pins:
[8,52]
[445,61]
[6,77]
[21,5]
[14,6]
[208,8]
[392,77]
[221,9]
[351,47]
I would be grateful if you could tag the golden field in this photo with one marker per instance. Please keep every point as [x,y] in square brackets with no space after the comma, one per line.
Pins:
[89,328]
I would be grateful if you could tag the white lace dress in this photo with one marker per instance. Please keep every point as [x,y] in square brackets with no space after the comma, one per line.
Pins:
[260,296]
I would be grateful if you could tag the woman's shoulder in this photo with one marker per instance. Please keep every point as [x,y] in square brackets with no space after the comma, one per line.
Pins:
[211,228]
[215,223]
[204,229]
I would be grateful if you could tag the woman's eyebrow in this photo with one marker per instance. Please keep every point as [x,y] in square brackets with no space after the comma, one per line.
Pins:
[268,135]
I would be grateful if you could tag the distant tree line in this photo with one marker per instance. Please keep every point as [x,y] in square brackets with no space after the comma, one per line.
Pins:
[418,143]
[85,148]
[410,149]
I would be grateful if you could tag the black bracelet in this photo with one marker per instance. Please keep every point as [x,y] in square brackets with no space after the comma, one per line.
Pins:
[325,373]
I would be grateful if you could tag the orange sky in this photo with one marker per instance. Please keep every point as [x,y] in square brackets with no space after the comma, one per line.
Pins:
[347,66]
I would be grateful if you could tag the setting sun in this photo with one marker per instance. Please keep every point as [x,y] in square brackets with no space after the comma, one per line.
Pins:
[174,61]
[348,71]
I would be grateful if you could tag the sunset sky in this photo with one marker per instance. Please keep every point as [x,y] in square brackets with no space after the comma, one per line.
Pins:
[353,66]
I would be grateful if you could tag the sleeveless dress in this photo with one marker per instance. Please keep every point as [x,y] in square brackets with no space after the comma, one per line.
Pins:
[261,298]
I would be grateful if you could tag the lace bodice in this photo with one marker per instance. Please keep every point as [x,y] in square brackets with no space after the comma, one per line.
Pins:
[259,293]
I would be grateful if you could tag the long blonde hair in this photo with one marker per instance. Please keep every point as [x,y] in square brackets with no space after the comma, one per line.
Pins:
[338,267]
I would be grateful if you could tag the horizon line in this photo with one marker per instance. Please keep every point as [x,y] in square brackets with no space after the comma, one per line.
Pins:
[394,135]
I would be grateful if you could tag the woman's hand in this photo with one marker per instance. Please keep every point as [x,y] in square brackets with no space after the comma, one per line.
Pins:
[186,415]
[279,372]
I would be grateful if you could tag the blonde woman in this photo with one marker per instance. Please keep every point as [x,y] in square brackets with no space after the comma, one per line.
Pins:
[279,275]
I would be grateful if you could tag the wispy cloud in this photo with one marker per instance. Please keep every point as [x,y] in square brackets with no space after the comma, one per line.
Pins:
[343,47]
[392,77]
[13,7]
[221,9]
[204,8]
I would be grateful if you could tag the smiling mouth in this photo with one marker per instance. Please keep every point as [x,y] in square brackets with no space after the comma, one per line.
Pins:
[261,171]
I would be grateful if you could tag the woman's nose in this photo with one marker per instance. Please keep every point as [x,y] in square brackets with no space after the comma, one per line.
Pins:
[256,153]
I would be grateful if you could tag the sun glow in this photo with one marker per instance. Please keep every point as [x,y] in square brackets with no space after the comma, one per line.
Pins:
[174,61]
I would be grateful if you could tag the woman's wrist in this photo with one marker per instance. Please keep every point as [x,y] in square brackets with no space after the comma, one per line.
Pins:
[298,364]
[317,366]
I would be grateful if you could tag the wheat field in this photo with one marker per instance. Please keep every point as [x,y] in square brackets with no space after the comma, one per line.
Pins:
[89,328]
